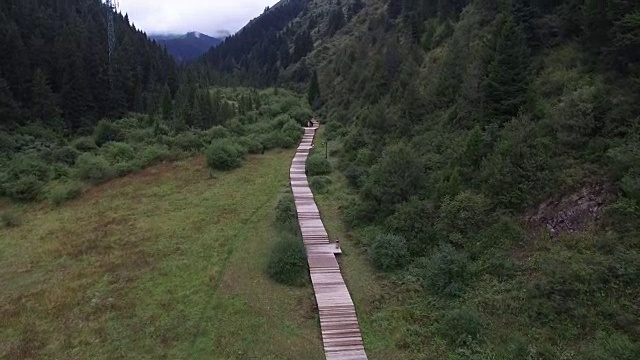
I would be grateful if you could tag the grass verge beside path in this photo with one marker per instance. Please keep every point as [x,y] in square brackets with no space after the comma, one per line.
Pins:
[165,263]
[382,328]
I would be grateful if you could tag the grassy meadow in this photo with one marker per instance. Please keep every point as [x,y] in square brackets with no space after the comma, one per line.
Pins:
[168,262]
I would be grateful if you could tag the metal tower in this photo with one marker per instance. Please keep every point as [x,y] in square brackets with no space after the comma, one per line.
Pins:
[112,7]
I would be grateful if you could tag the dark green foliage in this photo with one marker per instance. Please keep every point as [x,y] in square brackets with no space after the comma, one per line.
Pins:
[462,327]
[61,192]
[106,131]
[224,155]
[318,165]
[389,252]
[288,262]
[84,144]
[320,184]
[189,142]
[24,177]
[10,219]
[313,96]
[395,179]
[507,76]
[446,272]
[415,221]
[93,168]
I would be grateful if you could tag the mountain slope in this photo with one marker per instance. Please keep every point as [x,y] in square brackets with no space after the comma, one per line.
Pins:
[482,137]
[55,66]
[189,46]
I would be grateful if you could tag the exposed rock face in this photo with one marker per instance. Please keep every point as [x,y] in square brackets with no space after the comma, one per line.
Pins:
[573,212]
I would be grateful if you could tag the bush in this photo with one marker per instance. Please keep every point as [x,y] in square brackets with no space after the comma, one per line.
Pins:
[320,184]
[252,144]
[318,165]
[84,144]
[105,132]
[389,252]
[288,263]
[188,142]
[224,155]
[286,213]
[615,346]
[62,192]
[462,327]
[293,131]
[66,155]
[11,219]
[93,168]
[152,155]
[25,177]
[125,168]
[446,272]
[118,152]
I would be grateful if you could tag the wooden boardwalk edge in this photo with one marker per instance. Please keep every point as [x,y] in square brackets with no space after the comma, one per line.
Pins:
[338,321]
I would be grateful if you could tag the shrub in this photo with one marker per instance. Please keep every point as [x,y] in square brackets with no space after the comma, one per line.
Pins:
[286,213]
[93,168]
[7,143]
[118,152]
[152,155]
[66,155]
[270,140]
[188,142]
[84,144]
[356,175]
[125,168]
[284,141]
[293,131]
[300,114]
[446,272]
[318,165]
[106,131]
[11,219]
[288,263]
[25,177]
[389,252]
[462,327]
[615,346]
[320,184]
[251,144]
[224,155]
[62,192]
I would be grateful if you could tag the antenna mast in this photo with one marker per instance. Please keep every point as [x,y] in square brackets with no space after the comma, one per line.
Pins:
[112,7]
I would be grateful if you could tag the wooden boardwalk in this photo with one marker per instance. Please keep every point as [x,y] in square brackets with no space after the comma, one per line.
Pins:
[339,324]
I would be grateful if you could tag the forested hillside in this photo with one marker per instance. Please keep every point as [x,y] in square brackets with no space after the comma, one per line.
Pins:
[492,151]
[54,68]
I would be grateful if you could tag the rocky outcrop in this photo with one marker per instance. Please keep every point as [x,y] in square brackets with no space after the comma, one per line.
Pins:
[573,212]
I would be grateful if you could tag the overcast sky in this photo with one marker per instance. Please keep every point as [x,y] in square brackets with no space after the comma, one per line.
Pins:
[182,16]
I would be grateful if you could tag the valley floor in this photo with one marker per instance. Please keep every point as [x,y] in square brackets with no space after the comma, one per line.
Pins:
[165,263]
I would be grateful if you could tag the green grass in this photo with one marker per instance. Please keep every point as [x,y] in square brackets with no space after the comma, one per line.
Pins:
[383,327]
[166,263]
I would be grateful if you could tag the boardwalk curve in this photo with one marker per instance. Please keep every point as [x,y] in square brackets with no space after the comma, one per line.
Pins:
[340,330]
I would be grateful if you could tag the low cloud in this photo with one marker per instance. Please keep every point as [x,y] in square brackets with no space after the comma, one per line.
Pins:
[177,17]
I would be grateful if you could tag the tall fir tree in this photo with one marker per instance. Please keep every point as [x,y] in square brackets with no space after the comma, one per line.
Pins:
[313,96]
[44,109]
[507,80]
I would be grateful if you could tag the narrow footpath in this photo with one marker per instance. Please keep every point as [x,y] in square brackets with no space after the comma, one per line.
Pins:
[338,321]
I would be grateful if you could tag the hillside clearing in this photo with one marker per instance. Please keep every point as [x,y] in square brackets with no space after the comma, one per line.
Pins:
[165,263]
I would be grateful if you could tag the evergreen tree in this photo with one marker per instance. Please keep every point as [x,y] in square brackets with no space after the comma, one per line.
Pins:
[394,8]
[302,45]
[9,110]
[313,96]
[336,21]
[506,82]
[166,104]
[44,108]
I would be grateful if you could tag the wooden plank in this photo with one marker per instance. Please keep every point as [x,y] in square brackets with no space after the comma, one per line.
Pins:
[338,320]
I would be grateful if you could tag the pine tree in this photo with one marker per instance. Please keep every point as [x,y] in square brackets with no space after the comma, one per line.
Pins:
[394,8]
[506,82]
[9,110]
[166,104]
[314,97]
[44,109]
[302,45]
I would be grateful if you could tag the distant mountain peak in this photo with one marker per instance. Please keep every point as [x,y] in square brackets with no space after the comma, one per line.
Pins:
[187,46]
